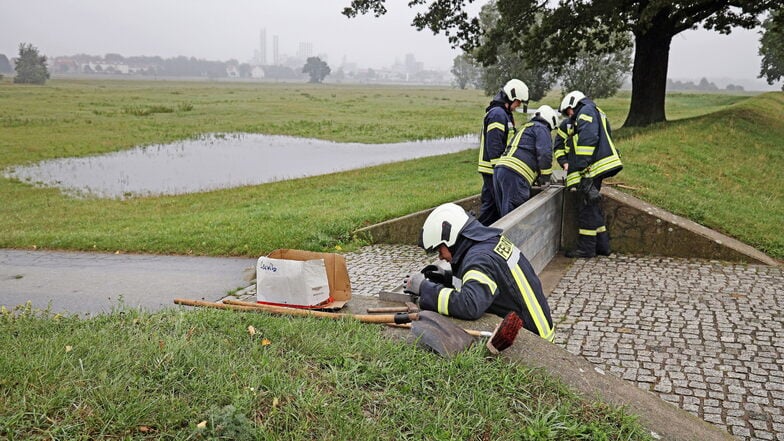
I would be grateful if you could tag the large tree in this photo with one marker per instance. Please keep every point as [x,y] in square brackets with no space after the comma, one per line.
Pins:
[316,68]
[772,48]
[570,27]
[30,66]
[465,70]
[509,61]
[598,76]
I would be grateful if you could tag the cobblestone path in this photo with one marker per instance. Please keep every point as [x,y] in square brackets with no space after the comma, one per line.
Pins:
[705,336]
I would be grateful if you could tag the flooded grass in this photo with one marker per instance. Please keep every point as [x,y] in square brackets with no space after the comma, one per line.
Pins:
[217,161]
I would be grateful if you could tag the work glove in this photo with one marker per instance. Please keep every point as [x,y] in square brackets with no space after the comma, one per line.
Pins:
[589,191]
[413,282]
[543,180]
[437,274]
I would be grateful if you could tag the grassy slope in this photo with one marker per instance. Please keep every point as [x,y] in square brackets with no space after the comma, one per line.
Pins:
[723,170]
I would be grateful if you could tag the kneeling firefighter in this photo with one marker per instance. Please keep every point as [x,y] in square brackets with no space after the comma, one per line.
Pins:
[496,277]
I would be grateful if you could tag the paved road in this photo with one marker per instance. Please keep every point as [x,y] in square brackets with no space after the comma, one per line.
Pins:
[706,336]
[91,283]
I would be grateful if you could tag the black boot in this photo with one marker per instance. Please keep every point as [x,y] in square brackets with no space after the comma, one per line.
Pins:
[578,253]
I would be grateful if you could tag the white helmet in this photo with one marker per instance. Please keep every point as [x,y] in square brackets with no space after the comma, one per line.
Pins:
[442,226]
[570,100]
[516,90]
[548,114]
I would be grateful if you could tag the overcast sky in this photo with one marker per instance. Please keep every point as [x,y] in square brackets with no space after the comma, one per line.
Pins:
[224,29]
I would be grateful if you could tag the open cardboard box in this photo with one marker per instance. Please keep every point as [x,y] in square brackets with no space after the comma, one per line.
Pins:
[337,274]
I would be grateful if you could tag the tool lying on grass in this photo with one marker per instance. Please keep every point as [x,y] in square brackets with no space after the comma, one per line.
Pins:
[433,330]
[499,339]
[282,310]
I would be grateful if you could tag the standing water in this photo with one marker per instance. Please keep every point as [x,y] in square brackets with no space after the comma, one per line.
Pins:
[219,161]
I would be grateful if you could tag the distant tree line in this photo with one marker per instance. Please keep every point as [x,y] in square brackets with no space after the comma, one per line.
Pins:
[180,66]
[704,85]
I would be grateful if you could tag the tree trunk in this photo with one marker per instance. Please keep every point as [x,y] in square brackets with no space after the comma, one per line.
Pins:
[649,77]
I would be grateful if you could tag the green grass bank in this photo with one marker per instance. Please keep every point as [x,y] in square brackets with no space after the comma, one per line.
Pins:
[202,374]
[69,118]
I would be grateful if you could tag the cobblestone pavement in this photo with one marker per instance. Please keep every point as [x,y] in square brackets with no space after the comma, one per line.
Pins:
[703,335]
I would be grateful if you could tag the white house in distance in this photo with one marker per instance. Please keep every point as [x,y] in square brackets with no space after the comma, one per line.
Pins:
[257,72]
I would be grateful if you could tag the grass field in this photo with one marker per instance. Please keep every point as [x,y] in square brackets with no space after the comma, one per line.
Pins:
[79,118]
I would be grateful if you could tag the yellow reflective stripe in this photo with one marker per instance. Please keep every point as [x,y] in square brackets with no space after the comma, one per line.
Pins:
[572,178]
[532,304]
[561,133]
[558,153]
[586,232]
[495,125]
[603,165]
[484,166]
[585,117]
[546,171]
[486,169]
[481,278]
[519,166]
[609,139]
[601,229]
[586,150]
[443,300]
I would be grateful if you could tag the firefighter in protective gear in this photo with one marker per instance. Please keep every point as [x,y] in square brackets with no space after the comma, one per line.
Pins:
[498,129]
[496,277]
[527,160]
[589,155]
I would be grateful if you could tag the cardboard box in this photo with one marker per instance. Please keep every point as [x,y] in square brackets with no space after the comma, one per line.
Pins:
[336,272]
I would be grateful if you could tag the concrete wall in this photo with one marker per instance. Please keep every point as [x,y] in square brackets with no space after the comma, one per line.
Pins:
[539,228]
[406,229]
[637,227]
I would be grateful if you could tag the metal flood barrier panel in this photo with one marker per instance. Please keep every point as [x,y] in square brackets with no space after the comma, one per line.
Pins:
[535,226]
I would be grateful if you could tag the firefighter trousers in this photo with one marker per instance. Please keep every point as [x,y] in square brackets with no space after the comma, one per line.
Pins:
[592,237]
[488,212]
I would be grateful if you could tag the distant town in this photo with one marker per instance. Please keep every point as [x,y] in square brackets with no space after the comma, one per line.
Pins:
[263,65]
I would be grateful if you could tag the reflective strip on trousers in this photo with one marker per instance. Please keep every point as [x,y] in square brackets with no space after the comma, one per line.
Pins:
[587,232]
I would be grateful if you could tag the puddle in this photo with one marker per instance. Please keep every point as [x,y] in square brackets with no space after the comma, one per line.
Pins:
[219,161]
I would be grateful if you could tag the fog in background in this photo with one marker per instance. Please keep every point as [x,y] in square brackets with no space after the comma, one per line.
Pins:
[230,29]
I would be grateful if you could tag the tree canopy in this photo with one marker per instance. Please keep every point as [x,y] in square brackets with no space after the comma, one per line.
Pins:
[772,48]
[316,68]
[30,66]
[560,33]
[5,65]
[466,71]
